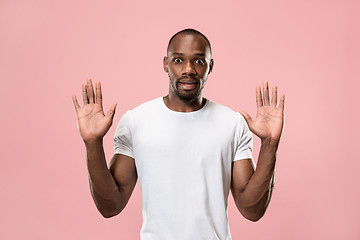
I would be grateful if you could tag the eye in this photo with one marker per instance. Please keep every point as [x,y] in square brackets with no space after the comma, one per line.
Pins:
[199,61]
[177,60]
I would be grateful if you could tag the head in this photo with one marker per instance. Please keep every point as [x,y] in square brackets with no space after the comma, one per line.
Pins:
[188,64]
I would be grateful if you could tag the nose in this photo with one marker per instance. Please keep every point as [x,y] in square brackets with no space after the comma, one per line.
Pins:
[188,69]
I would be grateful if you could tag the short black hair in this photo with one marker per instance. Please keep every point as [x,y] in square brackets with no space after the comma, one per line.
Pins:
[189,31]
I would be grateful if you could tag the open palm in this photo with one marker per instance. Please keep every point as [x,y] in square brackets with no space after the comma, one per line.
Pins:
[269,118]
[92,122]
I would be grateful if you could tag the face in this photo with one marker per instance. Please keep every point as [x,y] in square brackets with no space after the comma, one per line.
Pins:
[188,64]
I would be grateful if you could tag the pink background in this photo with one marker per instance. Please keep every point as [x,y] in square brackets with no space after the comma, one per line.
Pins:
[310,49]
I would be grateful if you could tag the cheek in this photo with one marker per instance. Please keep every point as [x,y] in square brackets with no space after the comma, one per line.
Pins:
[172,78]
[174,72]
[174,68]
[203,72]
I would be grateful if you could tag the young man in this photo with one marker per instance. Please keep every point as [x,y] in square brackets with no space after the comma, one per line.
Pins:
[186,151]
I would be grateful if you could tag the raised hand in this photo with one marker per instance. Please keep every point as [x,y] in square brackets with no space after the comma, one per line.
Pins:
[93,124]
[269,118]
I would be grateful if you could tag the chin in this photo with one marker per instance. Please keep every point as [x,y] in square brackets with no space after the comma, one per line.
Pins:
[188,98]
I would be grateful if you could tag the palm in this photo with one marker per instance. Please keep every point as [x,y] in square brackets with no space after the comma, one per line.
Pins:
[92,122]
[269,118]
[268,123]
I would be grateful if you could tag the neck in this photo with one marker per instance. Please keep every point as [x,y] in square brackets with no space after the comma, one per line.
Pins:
[176,104]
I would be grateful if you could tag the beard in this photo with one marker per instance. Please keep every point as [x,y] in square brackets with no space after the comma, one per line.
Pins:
[187,97]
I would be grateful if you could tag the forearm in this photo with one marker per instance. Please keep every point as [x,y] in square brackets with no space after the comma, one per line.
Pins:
[103,188]
[256,196]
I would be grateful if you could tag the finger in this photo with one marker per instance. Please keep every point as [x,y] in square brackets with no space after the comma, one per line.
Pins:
[98,98]
[259,101]
[84,94]
[90,91]
[274,96]
[282,102]
[75,101]
[266,93]
[111,112]
[248,118]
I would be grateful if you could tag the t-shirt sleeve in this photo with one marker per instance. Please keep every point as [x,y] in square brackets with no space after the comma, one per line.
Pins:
[122,137]
[244,141]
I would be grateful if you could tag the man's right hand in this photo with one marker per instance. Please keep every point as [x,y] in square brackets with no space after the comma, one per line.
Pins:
[93,124]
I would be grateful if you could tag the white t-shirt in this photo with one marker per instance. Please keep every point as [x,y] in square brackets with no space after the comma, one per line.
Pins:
[183,162]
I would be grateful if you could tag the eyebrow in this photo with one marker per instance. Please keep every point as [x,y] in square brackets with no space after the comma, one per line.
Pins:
[181,54]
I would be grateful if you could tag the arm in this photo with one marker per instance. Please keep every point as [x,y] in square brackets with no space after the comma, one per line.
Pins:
[110,188]
[252,189]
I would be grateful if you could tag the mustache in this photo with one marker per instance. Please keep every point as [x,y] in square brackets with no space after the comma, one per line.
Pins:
[187,77]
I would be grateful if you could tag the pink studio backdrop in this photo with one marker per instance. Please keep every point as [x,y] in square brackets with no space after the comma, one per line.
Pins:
[310,49]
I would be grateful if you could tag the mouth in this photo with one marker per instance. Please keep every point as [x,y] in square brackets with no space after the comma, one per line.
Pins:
[188,85]
[188,80]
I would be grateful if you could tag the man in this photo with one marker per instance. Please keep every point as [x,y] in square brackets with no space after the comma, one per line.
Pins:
[187,151]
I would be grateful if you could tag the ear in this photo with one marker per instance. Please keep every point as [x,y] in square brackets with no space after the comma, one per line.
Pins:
[211,65]
[165,64]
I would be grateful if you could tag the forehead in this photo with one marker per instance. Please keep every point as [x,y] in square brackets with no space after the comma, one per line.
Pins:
[189,44]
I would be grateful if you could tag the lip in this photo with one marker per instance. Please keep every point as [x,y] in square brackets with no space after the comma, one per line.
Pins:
[188,81]
[188,86]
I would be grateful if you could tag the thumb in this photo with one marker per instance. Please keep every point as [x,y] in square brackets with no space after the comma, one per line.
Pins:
[247,117]
[111,112]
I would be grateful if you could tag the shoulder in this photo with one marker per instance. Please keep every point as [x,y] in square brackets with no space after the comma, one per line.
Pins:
[225,111]
[226,115]
[146,107]
[155,103]
[139,113]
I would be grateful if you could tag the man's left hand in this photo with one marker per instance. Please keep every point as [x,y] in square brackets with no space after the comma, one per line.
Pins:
[269,121]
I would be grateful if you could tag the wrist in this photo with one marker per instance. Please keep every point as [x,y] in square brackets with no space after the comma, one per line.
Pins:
[93,142]
[270,144]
